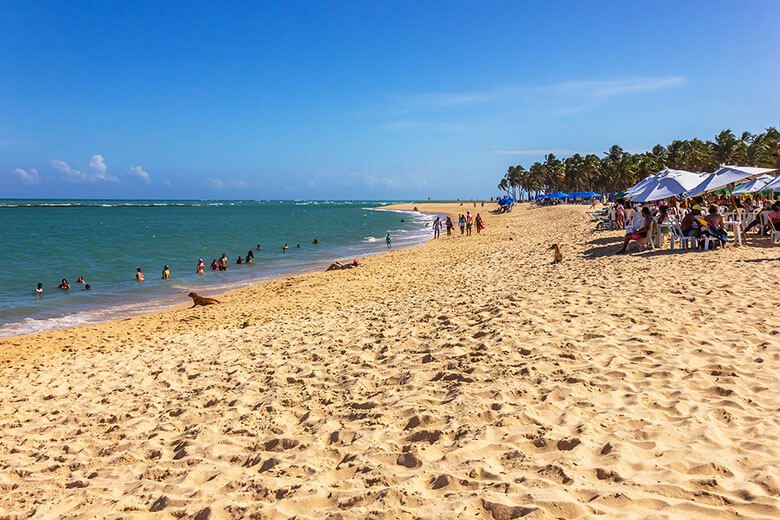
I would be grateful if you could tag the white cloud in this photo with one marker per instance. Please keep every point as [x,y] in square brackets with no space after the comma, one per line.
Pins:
[556,151]
[227,183]
[137,170]
[167,183]
[98,165]
[63,167]
[27,176]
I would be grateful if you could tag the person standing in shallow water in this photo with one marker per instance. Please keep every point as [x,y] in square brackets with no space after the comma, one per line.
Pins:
[139,275]
[437,228]
[166,272]
[388,240]
[223,262]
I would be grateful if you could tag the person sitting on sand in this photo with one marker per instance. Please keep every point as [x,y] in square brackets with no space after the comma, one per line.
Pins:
[166,272]
[80,280]
[139,275]
[201,268]
[640,233]
[250,257]
[64,285]
[38,290]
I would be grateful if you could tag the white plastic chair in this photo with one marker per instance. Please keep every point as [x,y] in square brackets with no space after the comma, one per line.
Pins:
[678,235]
[774,234]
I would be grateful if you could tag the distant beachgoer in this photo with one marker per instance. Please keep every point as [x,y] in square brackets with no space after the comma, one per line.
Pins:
[335,266]
[592,202]
[201,267]
[449,226]
[316,241]
[250,257]
[80,280]
[462,223]
[437,227]
[284,248]
[214,266]
[139,275]
[239,260]
[258,247]
[388,240]
[166,272]
[223,262]
[38,290]
[86,287]
[469,223]
[298,246]
[480,224]
[64,285]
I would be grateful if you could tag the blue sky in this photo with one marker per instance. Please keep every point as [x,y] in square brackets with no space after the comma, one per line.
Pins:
[361,99]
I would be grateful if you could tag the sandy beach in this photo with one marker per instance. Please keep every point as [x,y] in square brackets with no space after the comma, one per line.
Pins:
[467,378]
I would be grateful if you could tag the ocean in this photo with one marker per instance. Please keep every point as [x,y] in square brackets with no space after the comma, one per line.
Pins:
[105,240]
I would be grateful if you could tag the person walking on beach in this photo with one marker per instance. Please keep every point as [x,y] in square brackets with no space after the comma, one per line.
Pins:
[201,267]
[139,275]
[469,223]
[437,227]
[166,272]
[462,223]
[223,262]
[479,223]
[388,240]
[449,226]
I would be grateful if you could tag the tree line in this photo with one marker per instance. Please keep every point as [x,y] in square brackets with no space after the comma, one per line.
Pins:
[619,169]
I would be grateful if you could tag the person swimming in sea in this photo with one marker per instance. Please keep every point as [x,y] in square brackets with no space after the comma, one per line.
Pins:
[64,285]
[38,290]
[284,249]
[250,257]
[223,262]
[139,275]
[80,280]
[166,272]
[239,260]
[316,241]
[86,287]
[201,267]
[214,265]
[258,247]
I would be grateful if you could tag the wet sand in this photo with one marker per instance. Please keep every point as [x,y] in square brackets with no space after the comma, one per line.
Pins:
[467,378]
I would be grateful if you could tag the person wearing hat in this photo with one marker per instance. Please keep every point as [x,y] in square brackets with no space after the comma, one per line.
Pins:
[689,226]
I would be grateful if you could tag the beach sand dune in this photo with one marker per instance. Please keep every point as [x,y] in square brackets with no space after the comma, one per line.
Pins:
[468,378]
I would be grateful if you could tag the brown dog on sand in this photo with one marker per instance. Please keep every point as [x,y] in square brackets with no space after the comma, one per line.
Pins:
[198,300]
[558,255]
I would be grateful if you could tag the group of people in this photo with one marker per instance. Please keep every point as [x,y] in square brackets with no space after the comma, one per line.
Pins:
[697,218]
[64,285]
[465,222]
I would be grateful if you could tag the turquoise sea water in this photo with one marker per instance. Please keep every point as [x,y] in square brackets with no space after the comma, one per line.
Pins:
[104,241]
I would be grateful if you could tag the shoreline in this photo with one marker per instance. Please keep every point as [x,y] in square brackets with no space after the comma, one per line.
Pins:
[155,304]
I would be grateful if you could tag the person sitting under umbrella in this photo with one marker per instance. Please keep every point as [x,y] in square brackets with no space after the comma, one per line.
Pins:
[640,233]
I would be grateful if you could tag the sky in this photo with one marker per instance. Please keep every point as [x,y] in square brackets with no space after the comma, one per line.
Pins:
[361,100]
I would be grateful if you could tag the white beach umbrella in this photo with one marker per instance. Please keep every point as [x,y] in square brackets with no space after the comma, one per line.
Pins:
[636,188]
[667,183]
[774,184]
[726,176]
[757,184]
